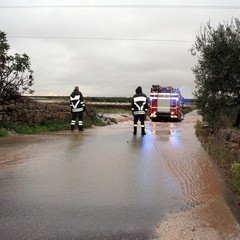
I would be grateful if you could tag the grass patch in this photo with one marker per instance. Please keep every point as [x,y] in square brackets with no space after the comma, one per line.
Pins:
[235,169]
[50,126]
[202,132]
[35,128]
[3,132]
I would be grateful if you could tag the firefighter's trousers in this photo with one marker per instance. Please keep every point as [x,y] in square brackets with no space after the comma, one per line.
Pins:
[76,115]
[135,121]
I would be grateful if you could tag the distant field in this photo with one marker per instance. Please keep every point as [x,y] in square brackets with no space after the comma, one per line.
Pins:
[96,102]
[104,102]
[88,99]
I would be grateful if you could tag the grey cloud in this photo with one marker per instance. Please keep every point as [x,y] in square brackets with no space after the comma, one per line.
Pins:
[109,67]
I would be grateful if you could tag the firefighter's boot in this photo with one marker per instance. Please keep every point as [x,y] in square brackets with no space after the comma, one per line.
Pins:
[80,128]
[73,125]
[143,131]
[134,130]
[80,125]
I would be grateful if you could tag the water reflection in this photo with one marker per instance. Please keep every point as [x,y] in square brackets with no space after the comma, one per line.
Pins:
[175,139]
[106,176]
[76,137]
[152,175]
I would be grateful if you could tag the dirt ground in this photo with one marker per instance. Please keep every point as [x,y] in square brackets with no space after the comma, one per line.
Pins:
[199,225]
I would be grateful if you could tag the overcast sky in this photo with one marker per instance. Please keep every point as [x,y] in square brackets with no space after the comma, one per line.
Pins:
[109,49]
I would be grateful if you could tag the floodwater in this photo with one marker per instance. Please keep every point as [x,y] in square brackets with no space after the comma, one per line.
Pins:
[105,183]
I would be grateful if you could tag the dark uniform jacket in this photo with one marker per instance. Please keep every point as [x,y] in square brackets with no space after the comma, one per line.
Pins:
[139,103]
[76,101]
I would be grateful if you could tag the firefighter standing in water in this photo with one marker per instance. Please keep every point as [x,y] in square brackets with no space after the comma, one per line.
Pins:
[139,109]
[77,107]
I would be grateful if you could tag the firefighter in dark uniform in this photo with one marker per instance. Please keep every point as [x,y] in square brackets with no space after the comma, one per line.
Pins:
[77,107]
[139,109]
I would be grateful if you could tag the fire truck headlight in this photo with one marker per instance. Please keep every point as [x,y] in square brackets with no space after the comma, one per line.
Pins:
[153,114]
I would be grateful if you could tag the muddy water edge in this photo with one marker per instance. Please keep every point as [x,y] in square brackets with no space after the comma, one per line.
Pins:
[214,214]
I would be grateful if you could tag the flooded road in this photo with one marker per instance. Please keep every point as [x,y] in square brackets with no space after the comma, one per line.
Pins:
[106,183]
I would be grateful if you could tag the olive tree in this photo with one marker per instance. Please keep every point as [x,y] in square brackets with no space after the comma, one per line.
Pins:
[15,72]
[217,72]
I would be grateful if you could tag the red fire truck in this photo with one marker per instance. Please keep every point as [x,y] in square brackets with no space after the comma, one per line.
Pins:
[165,103]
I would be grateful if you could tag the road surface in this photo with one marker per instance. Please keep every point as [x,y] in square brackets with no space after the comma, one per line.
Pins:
[105,183]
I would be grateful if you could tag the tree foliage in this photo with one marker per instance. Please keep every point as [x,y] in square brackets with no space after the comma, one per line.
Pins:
[217,73]
[15,72]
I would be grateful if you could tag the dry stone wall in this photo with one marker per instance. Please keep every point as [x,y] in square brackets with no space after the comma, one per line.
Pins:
[28,111]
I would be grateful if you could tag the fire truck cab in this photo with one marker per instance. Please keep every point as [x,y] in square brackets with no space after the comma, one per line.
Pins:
[165,103]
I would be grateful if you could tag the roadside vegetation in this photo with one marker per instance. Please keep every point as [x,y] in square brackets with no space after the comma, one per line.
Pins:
[217,73]
[7,128]
[235,169]
[16,75]
[14,128]
[217,94]
[219,153]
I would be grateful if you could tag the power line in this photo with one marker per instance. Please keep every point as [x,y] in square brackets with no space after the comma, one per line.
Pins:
[121,6]
[104,38]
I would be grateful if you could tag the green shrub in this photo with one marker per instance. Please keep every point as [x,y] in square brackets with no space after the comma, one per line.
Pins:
[235,169]
[47,126]
[22,128]
[3,132]
[198,128]
[218,152]
[202,131]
